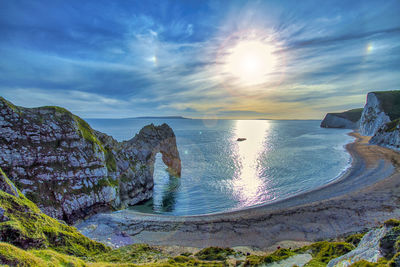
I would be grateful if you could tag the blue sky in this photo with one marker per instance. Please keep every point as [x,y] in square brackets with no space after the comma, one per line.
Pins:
[159,58]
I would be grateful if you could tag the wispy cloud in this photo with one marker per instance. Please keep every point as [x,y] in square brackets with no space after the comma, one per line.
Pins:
[123,59]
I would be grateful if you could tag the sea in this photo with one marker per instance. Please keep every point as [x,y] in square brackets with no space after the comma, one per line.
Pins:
[278,159]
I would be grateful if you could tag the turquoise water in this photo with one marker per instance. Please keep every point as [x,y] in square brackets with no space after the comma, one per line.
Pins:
[279,159]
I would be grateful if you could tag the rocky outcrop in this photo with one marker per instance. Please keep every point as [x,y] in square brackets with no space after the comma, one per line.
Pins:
[373,115]
[137,158]
[380,118]
[347,120]
[368,249]
[69,170]
[7,186]
[388,135]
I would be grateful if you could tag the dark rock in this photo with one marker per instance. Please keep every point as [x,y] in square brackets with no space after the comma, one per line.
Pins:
[70,170]
[3,218]
[388,244]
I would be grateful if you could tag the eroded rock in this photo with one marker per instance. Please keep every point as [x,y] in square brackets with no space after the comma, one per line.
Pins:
[368,249]
[373,115]
[70,170]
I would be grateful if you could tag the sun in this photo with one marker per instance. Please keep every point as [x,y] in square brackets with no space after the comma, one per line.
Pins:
[250,62]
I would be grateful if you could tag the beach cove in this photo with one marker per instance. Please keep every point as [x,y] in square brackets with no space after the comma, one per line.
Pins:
[365,196]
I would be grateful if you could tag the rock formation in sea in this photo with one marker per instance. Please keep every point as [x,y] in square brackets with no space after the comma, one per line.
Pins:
[347,120]
[70,170]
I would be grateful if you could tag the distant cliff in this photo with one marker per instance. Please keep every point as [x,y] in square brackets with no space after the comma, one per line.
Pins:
[348,119]
[380,118]
[70,170]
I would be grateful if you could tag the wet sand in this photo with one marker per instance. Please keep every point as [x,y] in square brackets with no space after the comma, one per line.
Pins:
[365,196]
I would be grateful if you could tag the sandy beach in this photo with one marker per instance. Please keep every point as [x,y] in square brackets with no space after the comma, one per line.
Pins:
[365,196]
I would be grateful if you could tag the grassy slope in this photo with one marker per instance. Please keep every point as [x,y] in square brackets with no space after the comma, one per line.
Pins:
[390,103]
[30,238]
[353,114]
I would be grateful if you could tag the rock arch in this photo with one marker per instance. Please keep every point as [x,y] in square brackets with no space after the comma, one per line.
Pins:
[142,150]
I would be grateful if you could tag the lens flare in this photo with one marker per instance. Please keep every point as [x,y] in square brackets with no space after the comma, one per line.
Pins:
[370,48]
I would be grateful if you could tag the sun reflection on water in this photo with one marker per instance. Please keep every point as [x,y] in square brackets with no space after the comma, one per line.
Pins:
[248,186]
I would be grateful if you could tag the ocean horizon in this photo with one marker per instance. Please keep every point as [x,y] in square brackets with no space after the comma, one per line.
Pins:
[279,159]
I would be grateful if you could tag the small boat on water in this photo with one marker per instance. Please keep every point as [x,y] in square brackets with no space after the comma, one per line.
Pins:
[241,139]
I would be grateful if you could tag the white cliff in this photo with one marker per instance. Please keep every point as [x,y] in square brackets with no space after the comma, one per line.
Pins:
[347,120]
[373,116]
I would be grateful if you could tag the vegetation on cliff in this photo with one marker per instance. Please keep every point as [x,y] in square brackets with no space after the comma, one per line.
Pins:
[30,238]
[347,120]
[353,114]
[25,226]
[70,170]
[390,103]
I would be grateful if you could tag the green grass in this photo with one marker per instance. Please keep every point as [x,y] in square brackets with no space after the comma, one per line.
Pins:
[390,243]
[111,163]
[278,255]
[191,261]
[390,103]
[364,263]
[57,109]
[355,238]
[29,228]
[214,253]
[325,251]
[392,222]
[11,105]
[353,114]
[137,253]
[14,256]
[88,134]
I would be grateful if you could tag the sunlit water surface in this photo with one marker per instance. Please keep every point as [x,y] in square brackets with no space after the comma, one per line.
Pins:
[279,159]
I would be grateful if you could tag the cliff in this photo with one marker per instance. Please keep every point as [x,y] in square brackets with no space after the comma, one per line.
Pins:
[70,170]
[388,135]
[348,119]
[30,238]
[380,118]
[381,108]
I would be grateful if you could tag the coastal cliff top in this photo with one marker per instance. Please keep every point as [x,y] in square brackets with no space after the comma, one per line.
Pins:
[353,114]
[390,102]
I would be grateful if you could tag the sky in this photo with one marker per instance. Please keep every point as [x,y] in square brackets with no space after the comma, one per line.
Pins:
[198,59]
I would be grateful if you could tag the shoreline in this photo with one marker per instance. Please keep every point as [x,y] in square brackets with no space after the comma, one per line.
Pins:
[364,196]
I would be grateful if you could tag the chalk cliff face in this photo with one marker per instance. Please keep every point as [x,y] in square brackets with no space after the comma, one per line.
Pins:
[380,119]
[70,170]
[388,135]
[373,116]
[347,120]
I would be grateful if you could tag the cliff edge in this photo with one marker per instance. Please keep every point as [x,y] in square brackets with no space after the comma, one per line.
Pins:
[70,170]
[380,118]
[347,120]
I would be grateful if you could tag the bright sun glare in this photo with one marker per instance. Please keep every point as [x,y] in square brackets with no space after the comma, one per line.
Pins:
[250,62]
